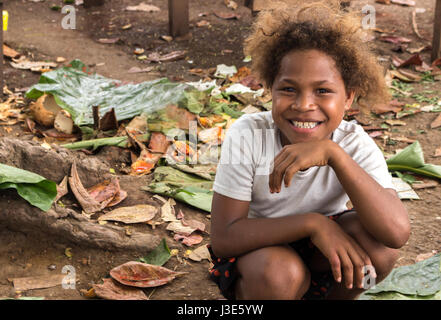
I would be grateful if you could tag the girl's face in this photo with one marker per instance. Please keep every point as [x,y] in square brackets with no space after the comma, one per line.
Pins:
[309,97]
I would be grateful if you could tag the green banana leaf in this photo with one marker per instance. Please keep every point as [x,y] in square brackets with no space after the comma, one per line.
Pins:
[412,159]
[77,91]
[182,186]
[421,280]
[120,141]
[32,187]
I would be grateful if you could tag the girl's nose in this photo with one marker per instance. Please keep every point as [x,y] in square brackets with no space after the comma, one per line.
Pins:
[304,102]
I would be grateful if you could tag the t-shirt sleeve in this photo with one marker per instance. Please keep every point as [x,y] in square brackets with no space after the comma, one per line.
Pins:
[235,170]
[366,153]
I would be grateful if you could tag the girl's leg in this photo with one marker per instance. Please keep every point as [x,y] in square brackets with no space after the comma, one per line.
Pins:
[383,258]
[275,272]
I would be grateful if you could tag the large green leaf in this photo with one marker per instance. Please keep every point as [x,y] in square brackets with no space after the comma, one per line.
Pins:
[77,91]
[412,159]
[197,197]
[420,280]
[158,256]
[32,187]
[182,186]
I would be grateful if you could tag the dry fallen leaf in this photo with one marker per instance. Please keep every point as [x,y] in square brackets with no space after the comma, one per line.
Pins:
[88,203]
[9,52]
[178,227]
[143,275]
[168,212]
[395,122]
[424,185]
[61,189]
[143,7]
[188,240]
[408,3]
[134,214]
[112,290]
[403,139]
[200,253]
[158,142]
[39,282]
[424,256]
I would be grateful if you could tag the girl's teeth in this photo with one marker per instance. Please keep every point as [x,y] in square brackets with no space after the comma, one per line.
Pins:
[307,125]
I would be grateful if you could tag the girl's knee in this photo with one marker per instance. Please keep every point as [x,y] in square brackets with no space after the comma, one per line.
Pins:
[286,277]
[384,260]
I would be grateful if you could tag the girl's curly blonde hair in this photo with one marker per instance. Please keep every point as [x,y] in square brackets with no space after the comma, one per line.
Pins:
[302,25]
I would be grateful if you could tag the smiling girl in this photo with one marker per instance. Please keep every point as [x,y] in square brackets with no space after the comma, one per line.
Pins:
[286,233]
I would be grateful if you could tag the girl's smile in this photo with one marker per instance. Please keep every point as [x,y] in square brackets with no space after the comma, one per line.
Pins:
[309,97]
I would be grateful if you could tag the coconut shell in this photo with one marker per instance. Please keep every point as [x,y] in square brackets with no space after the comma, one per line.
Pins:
[44,110]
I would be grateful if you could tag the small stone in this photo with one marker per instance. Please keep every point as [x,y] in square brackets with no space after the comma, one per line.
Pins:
[52,267]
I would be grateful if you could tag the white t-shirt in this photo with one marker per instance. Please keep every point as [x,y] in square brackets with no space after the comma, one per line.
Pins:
[252,143]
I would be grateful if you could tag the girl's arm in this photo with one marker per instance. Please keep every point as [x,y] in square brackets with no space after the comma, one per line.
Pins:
[233,233]
[380,210]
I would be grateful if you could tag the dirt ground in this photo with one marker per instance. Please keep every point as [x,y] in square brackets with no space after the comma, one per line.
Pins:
[35,30]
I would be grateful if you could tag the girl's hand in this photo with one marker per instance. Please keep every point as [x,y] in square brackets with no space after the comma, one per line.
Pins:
[345,256]
[299,156]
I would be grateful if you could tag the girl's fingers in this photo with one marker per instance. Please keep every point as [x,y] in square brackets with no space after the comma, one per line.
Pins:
[280,171]
[291,171]
[348,269]
[361,260]
[358,265]
[334,261]
[277,160]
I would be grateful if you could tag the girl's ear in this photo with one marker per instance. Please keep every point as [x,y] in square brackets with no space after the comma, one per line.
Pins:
[349,99]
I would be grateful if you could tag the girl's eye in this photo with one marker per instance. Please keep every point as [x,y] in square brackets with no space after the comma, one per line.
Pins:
[289,89]
[323,91]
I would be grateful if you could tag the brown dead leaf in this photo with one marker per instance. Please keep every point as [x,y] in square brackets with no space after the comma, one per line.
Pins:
[227,15]
[395,122]
[386,107]
[375,134]
[188,240]
[178,227]
[135,214]
[112,290]
[108,40]
[407,3]
[424,256]
[87,202]
[395,39]
[143,7]
[39,282]
[403,139]
[62,189]
[9,52]
[143,275]
[108,192]
[200,253]
[172,56]
[203,23]
[424,185]
[197,225]
[145,163]
[158,142]
[168,212]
